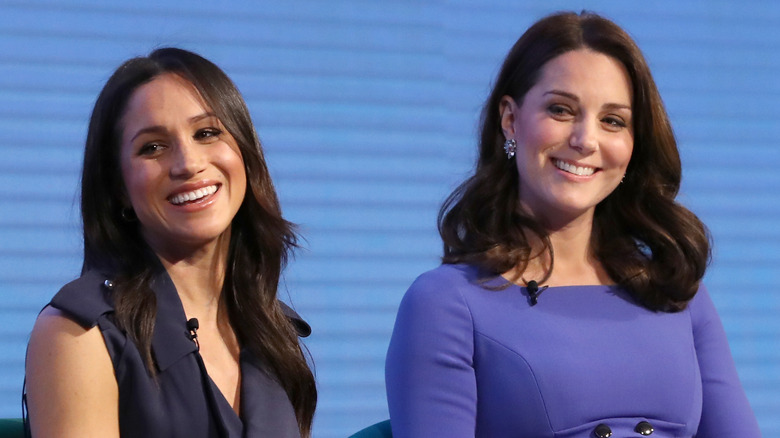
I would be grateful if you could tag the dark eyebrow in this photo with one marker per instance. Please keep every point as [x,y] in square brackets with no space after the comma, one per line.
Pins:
[564,94]
[162,129]
[200,117]
[577,99]
[148,129]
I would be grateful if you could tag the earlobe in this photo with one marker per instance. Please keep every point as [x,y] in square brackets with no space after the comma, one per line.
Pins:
[507,108]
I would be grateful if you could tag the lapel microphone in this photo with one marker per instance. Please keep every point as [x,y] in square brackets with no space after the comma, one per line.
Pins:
[192,327]
[534,291]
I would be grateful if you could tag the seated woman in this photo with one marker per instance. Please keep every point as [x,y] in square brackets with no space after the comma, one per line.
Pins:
[174,328]
[569,303]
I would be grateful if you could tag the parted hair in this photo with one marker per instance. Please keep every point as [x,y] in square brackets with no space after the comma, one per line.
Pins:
[260,240]
[648,243]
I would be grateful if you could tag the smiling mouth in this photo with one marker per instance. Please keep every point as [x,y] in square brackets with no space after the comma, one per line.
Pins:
[193,196]
[574,170]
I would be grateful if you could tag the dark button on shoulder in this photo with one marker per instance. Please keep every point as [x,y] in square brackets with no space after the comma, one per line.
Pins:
[644,428]
[602,431]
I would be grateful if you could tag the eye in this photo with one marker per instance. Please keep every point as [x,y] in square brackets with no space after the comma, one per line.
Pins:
[150,149]
[558,110]
[614,122]
[207,134]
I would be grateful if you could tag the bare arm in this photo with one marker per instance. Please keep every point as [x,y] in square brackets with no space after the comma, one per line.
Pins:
[71,387]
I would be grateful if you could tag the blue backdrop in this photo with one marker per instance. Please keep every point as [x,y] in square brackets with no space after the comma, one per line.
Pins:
[368,112]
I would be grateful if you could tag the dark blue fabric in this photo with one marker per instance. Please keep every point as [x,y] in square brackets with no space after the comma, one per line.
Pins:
[182,401]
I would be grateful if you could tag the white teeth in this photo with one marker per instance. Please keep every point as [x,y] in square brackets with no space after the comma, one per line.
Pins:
[577,170]
[181,198]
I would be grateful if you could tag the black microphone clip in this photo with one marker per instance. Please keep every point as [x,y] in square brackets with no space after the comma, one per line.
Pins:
[534,292]
[192,327]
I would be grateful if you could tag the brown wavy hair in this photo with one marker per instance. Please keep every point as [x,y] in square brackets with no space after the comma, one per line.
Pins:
[648,243]
[260,240]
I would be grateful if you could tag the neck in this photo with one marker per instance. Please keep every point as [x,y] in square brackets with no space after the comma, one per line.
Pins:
[199,276]
[573,260]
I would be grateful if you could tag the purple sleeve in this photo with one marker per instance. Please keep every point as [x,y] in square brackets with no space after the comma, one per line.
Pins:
[725,410]
[431,388]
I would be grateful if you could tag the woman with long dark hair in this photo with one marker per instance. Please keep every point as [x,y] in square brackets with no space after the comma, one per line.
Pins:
[174,328]
[569,302]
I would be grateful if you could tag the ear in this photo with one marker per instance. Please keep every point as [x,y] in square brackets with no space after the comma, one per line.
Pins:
[508,110]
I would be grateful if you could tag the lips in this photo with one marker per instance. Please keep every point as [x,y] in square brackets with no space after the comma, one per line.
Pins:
[573,169]
[193,196]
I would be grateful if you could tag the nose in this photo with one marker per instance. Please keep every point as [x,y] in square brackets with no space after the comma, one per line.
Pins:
[188,159]
[584,137]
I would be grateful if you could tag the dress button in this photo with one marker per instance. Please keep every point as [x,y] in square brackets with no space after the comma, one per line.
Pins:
[602,431]
[644,428]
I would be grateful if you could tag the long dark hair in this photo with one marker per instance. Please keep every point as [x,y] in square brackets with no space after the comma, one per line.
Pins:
[260,240]
[647,242]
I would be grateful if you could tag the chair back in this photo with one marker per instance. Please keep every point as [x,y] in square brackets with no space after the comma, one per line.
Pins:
[11,428]
[378,430]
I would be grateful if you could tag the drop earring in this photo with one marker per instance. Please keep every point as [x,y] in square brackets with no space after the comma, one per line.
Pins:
[510,147]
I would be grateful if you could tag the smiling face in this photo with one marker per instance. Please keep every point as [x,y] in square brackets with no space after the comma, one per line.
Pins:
[183,172]
[574,135]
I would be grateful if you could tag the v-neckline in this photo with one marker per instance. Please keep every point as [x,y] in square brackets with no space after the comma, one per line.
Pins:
[233,420]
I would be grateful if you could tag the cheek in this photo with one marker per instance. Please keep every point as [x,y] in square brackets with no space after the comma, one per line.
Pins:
[138,181]
[541,135]
[240,180]
[534,140]
[620,153]
[233,163]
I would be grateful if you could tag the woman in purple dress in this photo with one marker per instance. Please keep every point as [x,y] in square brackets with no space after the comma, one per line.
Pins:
[569,302]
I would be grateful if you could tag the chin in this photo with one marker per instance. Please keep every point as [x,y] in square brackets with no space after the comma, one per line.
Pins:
[197,238]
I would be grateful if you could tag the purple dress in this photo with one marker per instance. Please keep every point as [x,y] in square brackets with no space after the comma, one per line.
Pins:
[466,361]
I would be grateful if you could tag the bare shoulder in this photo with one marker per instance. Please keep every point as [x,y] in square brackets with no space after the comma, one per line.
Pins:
[71,387]
[53,322]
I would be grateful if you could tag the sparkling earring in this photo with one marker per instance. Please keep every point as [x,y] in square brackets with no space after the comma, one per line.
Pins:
[510,147]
